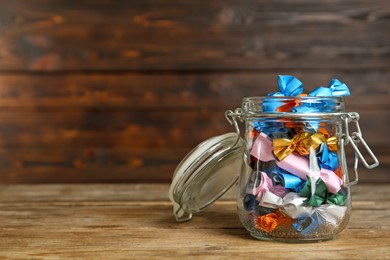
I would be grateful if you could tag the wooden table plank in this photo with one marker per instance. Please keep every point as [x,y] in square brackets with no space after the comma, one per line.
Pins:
[136,222]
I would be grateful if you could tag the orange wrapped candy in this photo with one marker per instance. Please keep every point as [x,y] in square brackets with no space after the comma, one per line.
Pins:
[267,222]
[270,221]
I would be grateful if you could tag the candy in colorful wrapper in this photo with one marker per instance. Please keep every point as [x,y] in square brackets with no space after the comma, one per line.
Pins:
[271,105]
[324,214]
[331,143]
[295,206]
[332,182]
[260,211]
[291,204]
[318,197]
[308,217]
[255,184]
[279,190]
[271,221]
[288,86]
[251,204]
[337,199]
[267,222]
[311,126]
[339,173]
[310,108]
[306,225]
[331,213]
[269,129]
[262,148]
[327,159]
[294,164]
[263,186]
[313,106]
[335,88]
[287,133]
[287,180]
[300,143]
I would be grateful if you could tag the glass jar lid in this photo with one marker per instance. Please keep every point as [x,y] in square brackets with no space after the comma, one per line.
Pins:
[205,174]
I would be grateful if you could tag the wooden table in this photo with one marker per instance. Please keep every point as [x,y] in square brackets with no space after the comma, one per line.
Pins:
[135,221]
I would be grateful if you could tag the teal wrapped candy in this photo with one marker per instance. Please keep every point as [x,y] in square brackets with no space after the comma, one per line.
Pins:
[337,199]
[319,195]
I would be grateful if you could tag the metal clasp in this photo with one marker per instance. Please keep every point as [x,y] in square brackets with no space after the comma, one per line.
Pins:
[355,138]
[232,117]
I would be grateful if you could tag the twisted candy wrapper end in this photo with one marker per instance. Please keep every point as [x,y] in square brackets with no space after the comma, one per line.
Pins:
[335,88]
[294,206]
[331,180]
[301,142]
[294,164]
[265,185]
[291,204]
[262,148]
[287,180]
[297,165]
[288,86]
[251,204]
[328,160]
[271,221]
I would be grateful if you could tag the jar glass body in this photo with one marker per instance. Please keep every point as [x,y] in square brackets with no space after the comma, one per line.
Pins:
[292,185]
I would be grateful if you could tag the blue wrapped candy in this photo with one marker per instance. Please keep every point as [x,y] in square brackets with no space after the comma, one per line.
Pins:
[288,86]
[251,204]
[335,88]
[328,160]
[307,225]
[287,180]
[269,128]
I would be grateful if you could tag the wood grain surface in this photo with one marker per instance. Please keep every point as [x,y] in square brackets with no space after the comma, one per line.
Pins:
[104,91]
[136,222]
[161,35]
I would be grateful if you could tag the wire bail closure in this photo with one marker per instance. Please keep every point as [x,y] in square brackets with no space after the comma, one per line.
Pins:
[355,138]
[232,117]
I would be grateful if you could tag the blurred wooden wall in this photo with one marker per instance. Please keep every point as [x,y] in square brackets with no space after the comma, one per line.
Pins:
[120,91]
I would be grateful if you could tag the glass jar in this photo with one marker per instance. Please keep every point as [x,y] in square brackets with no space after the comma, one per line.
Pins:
[291,168]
